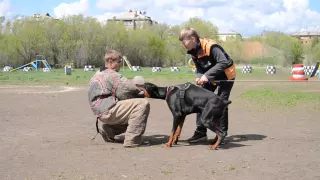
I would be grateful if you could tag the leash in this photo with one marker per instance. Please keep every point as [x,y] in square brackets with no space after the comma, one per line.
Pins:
[168,92]
[97,128]
[256,80]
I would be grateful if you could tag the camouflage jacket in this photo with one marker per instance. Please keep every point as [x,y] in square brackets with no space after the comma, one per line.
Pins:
[107,87]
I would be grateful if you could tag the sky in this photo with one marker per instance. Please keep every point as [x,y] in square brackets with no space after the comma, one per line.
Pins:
[248,17]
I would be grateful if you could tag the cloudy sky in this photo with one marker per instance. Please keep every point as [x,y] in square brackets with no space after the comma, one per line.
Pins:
[249,17]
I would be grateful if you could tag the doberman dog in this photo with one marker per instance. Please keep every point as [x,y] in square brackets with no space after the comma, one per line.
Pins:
[185,99]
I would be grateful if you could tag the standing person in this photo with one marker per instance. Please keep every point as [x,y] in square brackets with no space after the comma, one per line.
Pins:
[118,103]
[212,63]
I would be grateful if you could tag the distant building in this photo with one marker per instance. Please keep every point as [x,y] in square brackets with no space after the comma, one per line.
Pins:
[246,37]
[306,37]
[224,36]
[133,19]
[42,16]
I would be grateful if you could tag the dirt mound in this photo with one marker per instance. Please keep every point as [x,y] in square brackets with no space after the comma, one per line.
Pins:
[253,49]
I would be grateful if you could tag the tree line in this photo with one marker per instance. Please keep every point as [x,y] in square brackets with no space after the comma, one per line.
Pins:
[84,40]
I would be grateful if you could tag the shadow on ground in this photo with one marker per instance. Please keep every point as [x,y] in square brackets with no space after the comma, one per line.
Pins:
[245,137]
[154,140]
[233,141]
[230,142]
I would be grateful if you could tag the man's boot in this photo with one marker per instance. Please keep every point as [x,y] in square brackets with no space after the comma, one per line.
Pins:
[200,134]
[107,133]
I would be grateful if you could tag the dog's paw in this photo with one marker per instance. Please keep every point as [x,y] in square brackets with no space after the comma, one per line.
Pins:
[167,145]
[213,147]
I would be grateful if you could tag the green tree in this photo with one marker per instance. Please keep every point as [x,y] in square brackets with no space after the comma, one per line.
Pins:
[204,28]
[297,52]
[234,47]
[29,38]
[84,40]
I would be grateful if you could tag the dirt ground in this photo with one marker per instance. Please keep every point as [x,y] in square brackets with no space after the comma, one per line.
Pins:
[45,133]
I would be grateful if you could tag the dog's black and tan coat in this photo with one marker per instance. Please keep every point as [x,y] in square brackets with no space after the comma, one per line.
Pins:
[185,99]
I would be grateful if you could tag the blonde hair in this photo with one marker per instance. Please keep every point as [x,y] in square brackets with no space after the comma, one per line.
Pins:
[187,32]
[112,55]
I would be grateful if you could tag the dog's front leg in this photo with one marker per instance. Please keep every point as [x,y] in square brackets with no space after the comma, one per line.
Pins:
[178,132]
[169,143]
[177,135]
[174,131]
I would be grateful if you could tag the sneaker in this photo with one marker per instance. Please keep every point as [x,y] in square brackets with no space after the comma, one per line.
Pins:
[223,140]
[143,144]
[198,137]
[105,137]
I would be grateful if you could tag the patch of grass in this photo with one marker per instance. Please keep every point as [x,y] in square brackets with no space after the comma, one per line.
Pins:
[79,77]
[166,171]
[230,167]
[271,98]
[291,86]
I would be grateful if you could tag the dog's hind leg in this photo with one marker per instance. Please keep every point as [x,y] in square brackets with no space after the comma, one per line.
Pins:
[214,127]
[216,144]
[210,117]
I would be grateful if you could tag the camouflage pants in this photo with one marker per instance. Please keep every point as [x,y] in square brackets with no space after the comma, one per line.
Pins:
[129,117]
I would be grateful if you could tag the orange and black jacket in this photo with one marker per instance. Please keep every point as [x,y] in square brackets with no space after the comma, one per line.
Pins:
[212,61]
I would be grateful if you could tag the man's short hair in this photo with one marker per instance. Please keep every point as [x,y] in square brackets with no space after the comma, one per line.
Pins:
[187,32]
[112,55]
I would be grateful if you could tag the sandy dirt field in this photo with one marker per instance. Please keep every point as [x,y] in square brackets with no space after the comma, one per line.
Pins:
[45,133]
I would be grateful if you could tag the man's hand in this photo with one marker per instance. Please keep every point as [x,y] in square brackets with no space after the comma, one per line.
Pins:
[198,81]
[203,79]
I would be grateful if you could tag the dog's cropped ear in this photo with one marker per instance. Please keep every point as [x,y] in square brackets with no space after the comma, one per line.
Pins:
[150,84]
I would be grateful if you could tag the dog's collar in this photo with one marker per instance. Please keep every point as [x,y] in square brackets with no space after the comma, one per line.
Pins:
[168,92]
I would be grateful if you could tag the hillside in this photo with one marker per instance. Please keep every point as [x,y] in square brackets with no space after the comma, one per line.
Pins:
[256,52]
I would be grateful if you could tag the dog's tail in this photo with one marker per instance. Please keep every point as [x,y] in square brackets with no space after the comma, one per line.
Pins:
[227,102]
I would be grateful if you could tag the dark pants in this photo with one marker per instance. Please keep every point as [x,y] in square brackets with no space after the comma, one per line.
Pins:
[224,92]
